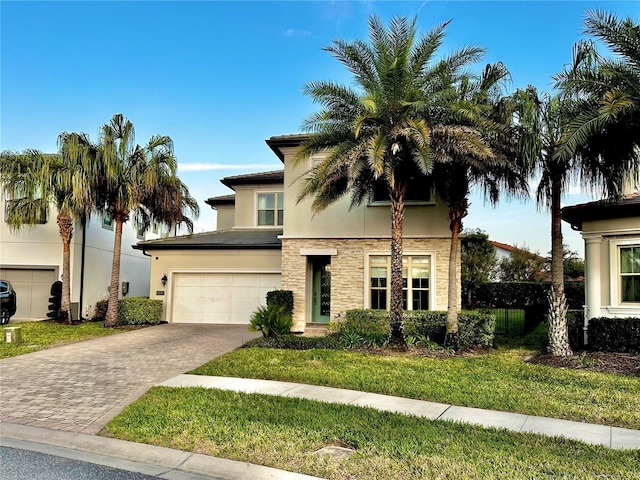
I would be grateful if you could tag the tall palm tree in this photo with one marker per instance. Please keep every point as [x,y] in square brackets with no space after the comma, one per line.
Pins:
[543,121]
[138,182]
[485,111]
[383,130]
[605,131]
[34,181]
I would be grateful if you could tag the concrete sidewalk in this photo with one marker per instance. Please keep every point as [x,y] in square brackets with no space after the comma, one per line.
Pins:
[612,437]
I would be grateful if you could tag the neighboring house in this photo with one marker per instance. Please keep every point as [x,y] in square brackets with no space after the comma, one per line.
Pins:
[333,261]
[611,233]
[31,260]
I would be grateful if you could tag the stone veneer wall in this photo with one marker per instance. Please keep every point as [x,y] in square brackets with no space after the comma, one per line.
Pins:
[347,270]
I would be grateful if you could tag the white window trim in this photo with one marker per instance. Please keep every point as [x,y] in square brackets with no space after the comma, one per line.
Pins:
[617,306]
[409,253]
[255,209]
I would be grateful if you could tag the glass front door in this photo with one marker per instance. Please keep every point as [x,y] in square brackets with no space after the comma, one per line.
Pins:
[321,289]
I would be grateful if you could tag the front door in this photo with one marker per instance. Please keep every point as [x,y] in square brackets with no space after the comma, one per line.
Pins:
[321,289]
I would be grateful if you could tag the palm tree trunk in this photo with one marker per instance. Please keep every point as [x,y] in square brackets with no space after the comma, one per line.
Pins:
[65,227]
[558,331]
[396,332]
[111,319]
[457,212]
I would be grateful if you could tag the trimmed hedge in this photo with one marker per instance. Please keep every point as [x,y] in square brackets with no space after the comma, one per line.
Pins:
[283,298]
[296,342]
[474,329]
[139,311]
[614,334]
[522,294]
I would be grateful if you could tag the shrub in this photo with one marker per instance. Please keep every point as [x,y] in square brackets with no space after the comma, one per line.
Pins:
[100,312]
[614,334]
[295,342]
[271,321]
[139,311]
[475,328]
[284,298]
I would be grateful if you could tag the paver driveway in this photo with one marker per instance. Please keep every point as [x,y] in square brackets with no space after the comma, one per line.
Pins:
[80,387]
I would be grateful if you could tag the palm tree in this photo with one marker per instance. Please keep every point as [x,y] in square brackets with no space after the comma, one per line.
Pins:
[485,112]
[383,131]
[605,132]
[543,121]
[138,182]
[35,181]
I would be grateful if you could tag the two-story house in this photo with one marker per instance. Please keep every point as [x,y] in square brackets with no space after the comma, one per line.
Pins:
[31,259]
[335,260]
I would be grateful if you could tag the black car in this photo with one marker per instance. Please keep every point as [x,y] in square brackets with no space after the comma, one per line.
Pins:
[7,301]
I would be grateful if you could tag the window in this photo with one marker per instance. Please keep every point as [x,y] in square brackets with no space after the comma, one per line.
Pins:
[417,192]
[630,274]
[270,209]
[107,221]
[416,274]
[140,231]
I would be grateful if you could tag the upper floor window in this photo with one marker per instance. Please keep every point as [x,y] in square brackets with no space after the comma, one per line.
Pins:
[270,209]
[140,231]
[630,274]
[416,193]
[40,214]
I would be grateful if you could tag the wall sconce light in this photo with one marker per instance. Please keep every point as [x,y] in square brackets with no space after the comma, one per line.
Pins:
[164,279]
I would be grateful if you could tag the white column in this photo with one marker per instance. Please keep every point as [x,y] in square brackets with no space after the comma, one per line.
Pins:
[593,274]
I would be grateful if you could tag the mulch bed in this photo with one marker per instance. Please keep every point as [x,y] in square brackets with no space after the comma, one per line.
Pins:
[618,363]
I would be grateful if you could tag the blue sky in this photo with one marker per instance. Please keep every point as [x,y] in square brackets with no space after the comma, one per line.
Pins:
[221,77]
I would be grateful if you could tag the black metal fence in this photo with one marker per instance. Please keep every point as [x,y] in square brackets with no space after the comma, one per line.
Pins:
[517,321]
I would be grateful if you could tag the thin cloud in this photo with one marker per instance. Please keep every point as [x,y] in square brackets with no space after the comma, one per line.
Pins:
[295,32]
[203,167]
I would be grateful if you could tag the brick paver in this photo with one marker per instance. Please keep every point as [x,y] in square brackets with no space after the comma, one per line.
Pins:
[80,387]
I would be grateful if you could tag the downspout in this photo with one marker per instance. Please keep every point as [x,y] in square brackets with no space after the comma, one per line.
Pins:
[82,259]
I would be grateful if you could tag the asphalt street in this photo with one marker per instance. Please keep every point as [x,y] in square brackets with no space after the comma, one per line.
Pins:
[18,464]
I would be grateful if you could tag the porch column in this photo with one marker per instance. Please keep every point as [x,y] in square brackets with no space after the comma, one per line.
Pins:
[593,298]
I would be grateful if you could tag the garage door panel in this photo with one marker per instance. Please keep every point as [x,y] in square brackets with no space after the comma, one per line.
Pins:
[216,305]
[188,292]
[217,280]
[191,280]
[222,297]
[33,287]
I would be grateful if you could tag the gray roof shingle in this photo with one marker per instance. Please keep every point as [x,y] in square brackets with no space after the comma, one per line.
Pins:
[218,240]
[272,177]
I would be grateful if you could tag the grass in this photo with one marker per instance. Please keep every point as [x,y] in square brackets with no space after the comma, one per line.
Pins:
[499,380]
[40,335]
[284,433]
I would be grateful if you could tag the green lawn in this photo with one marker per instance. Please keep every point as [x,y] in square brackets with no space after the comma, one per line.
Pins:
[40,335]
[500,380]
[284,433]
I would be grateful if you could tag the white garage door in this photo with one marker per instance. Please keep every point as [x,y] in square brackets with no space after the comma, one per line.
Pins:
[33,288]
[219,297]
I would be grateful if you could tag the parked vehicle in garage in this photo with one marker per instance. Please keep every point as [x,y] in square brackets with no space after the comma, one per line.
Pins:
[8,302]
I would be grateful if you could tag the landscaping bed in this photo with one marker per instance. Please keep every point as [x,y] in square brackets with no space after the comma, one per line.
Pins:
[608,362]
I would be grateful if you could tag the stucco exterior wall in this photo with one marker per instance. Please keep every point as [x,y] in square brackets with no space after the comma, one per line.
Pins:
[603,239]
[338,220]
[225,217]
[348,275]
